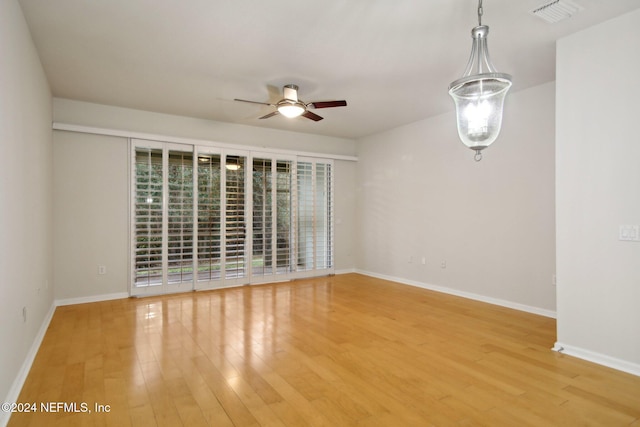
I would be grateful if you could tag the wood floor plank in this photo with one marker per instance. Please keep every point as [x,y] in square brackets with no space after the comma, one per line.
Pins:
[224,393]
[293,397]
[347,350]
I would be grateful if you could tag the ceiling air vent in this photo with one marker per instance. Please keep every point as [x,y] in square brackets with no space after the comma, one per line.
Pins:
[556,11]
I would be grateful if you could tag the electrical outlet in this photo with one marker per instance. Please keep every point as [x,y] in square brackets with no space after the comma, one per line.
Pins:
[630,233]
[443,264]
[102,269]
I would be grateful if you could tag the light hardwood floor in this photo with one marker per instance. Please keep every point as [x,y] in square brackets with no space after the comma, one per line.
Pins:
[340,351]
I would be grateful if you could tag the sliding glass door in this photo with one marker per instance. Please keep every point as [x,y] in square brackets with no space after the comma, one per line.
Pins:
[205,218]
[162,244]
[314,204]
[272,218]
[235,220]
[210,213]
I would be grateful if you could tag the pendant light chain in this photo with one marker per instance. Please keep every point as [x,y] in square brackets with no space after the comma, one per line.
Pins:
[480,12]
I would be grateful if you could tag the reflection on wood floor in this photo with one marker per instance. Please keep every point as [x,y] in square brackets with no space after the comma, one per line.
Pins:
[339,351]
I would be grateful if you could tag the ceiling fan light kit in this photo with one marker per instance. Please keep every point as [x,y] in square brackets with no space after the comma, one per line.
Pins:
[290,106]
[479,97]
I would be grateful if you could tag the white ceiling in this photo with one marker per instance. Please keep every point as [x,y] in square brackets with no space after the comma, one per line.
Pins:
[392,60]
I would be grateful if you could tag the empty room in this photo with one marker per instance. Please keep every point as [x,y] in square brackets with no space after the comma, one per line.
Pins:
[338,213]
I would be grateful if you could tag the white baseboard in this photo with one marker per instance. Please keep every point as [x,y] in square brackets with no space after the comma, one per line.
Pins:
[18,382]
[93,298]
[599,358]
[489,300]
[345,271]
[588,355]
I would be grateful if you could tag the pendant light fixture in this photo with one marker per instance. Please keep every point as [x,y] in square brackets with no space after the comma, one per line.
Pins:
[479,97]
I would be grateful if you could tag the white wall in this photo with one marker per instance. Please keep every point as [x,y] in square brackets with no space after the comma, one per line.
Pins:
[25,199]
[91,190]
[422,195]
[90,215]
[598,189]
[345,243]
[104,116]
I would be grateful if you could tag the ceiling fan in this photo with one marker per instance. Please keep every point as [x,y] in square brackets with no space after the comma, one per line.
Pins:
[291,106]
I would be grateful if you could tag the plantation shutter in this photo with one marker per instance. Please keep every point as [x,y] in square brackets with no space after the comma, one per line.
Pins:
[162,217]
[216,219]
[235,217]
[314,216]
[284,217]
[322,217]
[148,217]
[272,222]
[209,218]
[305,228]
[263,218]
[180,217]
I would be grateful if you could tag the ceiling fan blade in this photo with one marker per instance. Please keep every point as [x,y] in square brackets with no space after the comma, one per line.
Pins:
[254,102]
[327,104]
[313,116]
[275,113]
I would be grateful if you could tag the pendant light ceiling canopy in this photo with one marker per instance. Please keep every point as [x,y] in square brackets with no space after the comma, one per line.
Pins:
[479,97]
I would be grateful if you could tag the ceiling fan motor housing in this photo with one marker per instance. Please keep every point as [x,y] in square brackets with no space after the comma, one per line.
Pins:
[290,92]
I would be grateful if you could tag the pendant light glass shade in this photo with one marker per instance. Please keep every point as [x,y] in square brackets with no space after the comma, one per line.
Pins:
[479,97]
[479,104]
